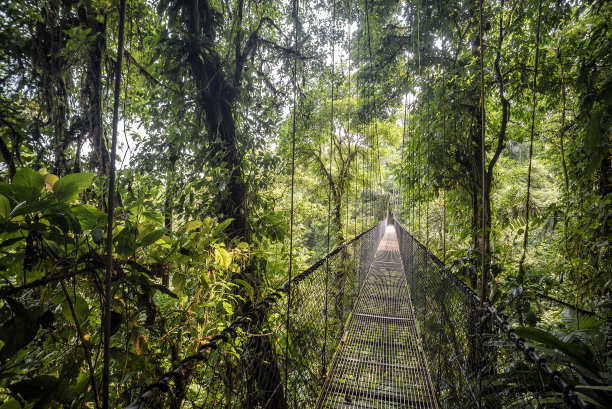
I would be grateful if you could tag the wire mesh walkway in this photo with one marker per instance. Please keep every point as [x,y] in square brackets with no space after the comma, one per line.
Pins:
[380,362]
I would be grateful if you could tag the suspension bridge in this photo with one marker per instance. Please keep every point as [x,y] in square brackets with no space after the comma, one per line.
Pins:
[379,322]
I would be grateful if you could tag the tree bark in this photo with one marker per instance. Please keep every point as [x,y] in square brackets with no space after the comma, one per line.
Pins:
[215,97]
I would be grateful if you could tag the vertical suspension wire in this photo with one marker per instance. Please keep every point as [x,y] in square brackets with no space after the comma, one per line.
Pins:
[428,142]
[364,208]
[295,16]
[110,216]
[350,13]
[373,114]
[329,185]
[348,121]
[419,155]
[411,148]
[482,153]
[402,164]
[483,169]
[443,106]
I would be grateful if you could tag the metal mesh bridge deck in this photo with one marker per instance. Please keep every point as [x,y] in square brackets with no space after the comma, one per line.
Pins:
[380,361]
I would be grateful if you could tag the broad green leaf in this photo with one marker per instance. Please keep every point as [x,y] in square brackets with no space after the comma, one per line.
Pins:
[19,330]
[579,353]
[42,387]
[192,225]
[222,257]
[27,177]
[50,180]
[152,237]
[89,216]
[67,188]
[11,404]
[80,306]
[5,206]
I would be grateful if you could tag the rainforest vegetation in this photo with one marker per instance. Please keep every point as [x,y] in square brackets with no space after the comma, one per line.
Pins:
[484,127]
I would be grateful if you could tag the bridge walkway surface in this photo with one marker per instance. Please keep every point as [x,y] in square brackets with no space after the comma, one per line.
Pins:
[380,362]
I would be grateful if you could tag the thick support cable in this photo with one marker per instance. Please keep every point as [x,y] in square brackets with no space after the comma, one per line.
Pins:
[110,215]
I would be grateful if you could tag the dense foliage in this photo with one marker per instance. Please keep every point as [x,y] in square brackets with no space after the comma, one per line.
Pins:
[378,106]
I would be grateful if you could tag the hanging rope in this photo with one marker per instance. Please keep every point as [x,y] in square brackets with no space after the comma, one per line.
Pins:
[111,213]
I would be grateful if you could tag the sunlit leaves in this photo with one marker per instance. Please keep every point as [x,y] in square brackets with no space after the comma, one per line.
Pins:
[68,187]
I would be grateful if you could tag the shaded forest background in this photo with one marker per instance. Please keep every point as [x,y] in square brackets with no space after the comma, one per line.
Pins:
[205,158]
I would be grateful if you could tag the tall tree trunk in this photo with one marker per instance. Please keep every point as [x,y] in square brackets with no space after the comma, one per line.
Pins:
[215,99]
[94,125]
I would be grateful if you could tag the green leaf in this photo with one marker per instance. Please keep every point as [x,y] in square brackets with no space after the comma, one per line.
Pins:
[152,237]
[577,353]
[222,257]
[67,188]
[27,185]
[80,307]
[5,206]
[192,225]
[222,226]
[19,330]
[89,216]
[41,387]
[228,308]
[11,404]
[50,180]
[29,178]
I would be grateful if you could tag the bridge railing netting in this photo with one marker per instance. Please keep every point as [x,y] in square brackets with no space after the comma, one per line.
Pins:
[276,355]
[475,359]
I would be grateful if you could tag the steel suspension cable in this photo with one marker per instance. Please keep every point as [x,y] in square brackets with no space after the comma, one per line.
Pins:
[482,154]
[294,15]
[521,271]
[443,106]
[329,185]
[110,216]
[348,121]
[427,153]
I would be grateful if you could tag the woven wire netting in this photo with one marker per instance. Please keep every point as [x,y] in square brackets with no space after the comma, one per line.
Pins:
[476,360]
[277,354]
